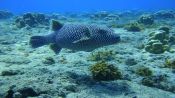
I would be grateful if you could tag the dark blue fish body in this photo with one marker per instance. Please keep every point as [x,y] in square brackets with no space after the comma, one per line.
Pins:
[77,37]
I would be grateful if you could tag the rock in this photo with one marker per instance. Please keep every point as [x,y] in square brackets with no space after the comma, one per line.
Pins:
[101,14]
[5,14]
[9,94]
[104,15]
[10,72]
[1,52]
[159,81]
[112,17]
[32,20]
[146,19]
[14,60]
[46,96]
[158,42]
[49,61]
[20,23]
[165,28]
[71,88]
[155,46]
[28,92]
[58,17]
[161,36]
[172,40]
[130,61]
[164,15]
[134,27]
[17,95]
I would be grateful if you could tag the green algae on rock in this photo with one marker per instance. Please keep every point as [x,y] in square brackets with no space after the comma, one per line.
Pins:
[170,63]
[105,55]
[102,71]
[134,27]
[144,71]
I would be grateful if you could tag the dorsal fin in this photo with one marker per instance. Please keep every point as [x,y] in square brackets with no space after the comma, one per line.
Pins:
[56,25]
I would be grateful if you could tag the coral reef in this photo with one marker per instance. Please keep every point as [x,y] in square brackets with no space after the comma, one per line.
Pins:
[104,72]
[172,39]
[144,71]
[134,27]
[146,20]
[32,20]
[5,14]
[165,28]
[156,47]
[158,42]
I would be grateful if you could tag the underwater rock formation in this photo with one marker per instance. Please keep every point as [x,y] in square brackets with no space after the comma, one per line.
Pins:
[5,14]
[130,13]
[155,46]
[48,60]
[58,17]
[159,81]
[100,15]
[10,72]
[32,20]
[146,19]
[158,42]
[104,15]
[133,27]
[24,92]
[164,15]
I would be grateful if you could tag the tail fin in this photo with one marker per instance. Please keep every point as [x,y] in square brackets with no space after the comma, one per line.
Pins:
[37,41]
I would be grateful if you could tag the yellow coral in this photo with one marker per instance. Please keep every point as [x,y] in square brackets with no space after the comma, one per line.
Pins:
[101,71]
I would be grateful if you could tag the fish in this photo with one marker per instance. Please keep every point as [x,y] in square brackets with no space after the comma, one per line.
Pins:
[78,37]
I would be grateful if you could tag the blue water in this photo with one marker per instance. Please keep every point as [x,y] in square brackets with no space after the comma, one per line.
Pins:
[19,6]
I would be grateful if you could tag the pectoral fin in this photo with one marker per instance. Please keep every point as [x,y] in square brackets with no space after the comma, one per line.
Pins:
[55,48]
[85,36]
[81,40]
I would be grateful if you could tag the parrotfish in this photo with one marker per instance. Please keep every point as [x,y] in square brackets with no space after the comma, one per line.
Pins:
[79,37]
